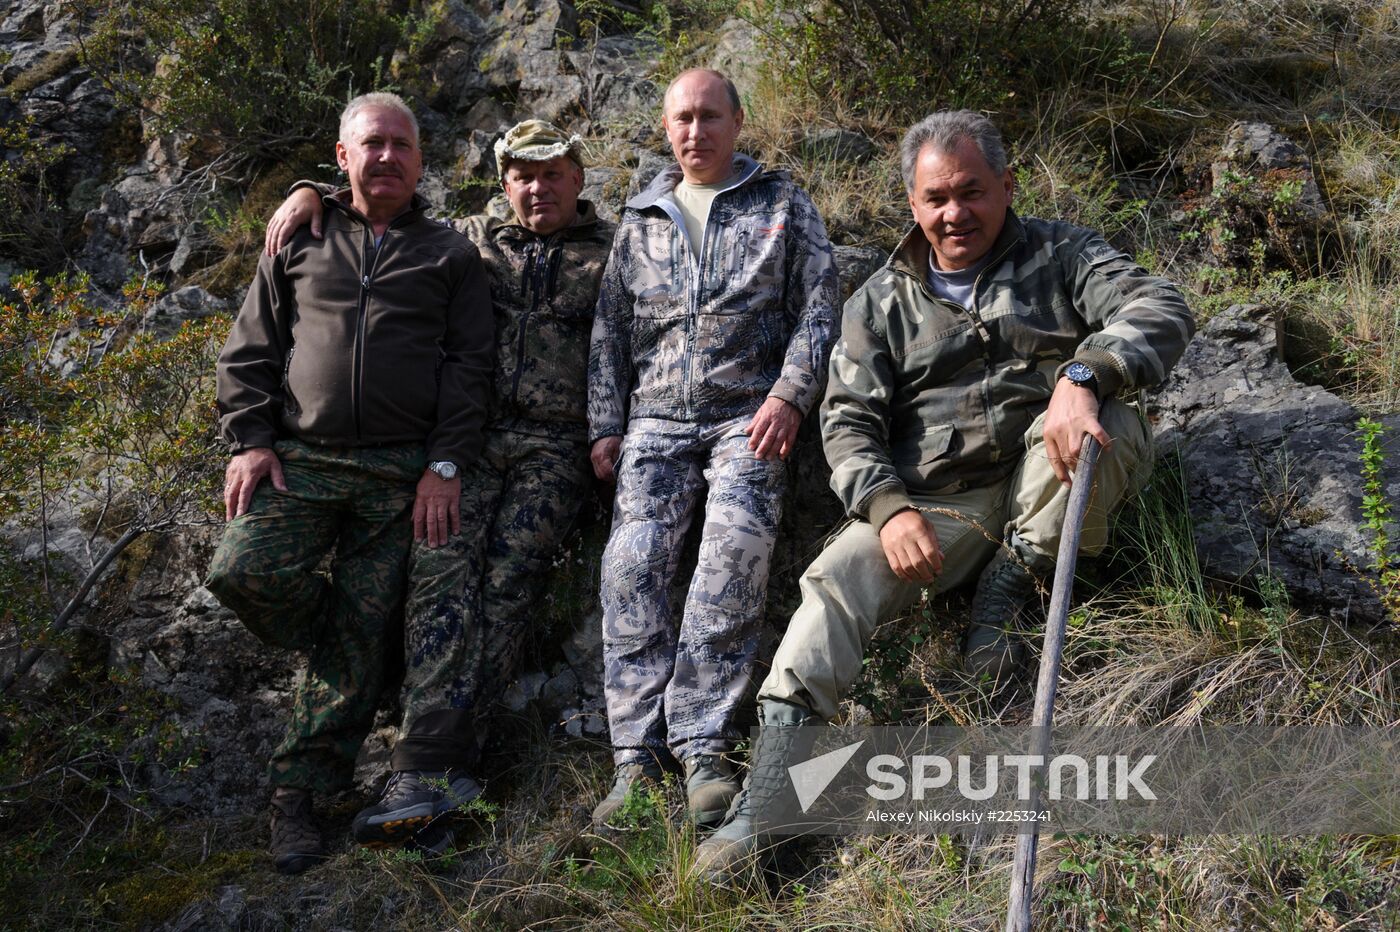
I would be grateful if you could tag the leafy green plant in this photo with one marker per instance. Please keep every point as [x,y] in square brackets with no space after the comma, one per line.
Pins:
[905,56]
[31,220]
[246,77]
[1376,514]
[102,420]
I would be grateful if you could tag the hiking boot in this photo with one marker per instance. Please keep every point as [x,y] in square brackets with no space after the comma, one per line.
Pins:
[413,800]
[1006,603]
[736,843]
[296,841]
[623,779]
[710,786]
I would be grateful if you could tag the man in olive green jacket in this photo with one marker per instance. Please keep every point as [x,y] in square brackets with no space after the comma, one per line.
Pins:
[968,371]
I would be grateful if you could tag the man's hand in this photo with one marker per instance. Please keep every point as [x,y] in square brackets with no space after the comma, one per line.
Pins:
[243,474]
[773,430]
[301,205]
[604,457]
[1073,412]
[437,509]
[911,546]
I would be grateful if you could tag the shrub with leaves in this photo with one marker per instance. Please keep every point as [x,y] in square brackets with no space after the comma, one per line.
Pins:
[103,421]
[31,223]
[910,58]
[255,77]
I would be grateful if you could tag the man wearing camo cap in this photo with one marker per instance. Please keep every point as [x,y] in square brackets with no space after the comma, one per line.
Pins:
[470,601]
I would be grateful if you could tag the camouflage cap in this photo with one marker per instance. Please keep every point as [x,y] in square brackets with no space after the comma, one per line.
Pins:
[536,141]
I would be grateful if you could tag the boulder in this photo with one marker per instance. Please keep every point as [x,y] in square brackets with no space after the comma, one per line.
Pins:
[1271,468]
[1258,205]
[834,144]
[737,54]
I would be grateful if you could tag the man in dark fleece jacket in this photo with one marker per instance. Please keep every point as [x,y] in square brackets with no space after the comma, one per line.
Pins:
[470,603]
[356,381]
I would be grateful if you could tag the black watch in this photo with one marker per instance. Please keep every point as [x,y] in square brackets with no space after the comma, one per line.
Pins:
[1083,376]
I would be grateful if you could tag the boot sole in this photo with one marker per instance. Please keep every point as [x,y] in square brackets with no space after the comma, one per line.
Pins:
[395,829]
[392,833]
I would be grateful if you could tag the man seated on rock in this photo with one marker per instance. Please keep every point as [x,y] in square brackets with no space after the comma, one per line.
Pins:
[968,371]
[470,603]
[353,385]
[715,319]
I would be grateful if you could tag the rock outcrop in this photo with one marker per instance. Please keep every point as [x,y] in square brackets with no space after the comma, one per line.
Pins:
[1272,468]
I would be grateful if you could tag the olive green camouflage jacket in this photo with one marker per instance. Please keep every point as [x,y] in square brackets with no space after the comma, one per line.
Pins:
[928,398]
[543,290]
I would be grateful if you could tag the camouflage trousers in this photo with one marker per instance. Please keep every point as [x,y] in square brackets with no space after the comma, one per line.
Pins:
[357,503]
[664,687]
[469,601]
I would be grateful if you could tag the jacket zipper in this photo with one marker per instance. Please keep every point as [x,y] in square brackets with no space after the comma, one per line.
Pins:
[536,273]
[985,336]
[358,373]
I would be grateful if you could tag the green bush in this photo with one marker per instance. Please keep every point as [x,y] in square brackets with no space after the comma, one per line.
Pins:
[252,77]
[100,418]
[910,58]
[31,221]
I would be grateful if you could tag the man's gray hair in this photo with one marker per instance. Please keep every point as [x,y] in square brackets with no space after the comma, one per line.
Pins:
[729,88]
[380,99]
[944,130]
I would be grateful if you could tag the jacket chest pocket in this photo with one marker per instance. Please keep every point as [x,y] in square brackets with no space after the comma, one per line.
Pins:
[917,458]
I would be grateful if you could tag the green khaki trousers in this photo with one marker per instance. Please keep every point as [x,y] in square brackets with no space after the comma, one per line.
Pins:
[356,503]
[850,589]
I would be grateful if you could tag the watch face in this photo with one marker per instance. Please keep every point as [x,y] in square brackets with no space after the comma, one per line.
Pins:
[1079,373]
[445,470]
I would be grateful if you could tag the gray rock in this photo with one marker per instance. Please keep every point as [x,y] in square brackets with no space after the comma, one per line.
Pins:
[837,145]
[737,55]
[165,317]
[1271,468]
[854,264]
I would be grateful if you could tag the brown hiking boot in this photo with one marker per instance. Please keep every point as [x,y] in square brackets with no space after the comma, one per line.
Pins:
[710,786]
[296,841]
[624,777]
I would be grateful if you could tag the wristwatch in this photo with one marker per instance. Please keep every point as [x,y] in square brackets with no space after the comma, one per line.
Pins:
[445,469]
[1083,376]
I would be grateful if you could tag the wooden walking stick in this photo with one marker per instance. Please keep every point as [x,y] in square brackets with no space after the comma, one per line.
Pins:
[1018,910]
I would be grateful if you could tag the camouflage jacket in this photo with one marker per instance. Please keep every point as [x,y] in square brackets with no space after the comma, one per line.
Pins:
[543,289]
[927,397]
[687,340]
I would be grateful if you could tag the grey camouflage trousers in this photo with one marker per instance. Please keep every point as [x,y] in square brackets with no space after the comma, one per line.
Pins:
[679,688]
[468,605]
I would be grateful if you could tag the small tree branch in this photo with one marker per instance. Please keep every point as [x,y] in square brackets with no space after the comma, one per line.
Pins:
[27,659]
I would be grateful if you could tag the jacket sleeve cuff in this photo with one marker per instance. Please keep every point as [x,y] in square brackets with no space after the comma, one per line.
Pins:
[602,433]
[317,186]
[1106,371]
[885,503]
[794,396]
[254,443]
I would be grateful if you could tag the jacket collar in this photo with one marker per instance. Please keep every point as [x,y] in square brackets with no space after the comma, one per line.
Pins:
[666,180]
[585,221]
[911,255]
[340,199]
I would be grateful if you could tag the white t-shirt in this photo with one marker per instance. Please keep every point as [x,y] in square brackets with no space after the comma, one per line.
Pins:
[693,201]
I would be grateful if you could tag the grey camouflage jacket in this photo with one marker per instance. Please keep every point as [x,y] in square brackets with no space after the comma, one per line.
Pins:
[711,340]
[929,398]
[543,290]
